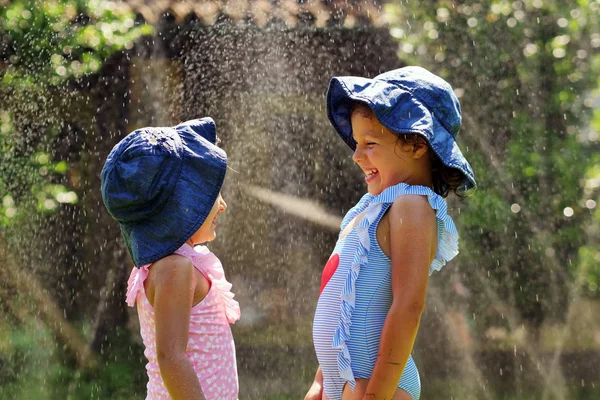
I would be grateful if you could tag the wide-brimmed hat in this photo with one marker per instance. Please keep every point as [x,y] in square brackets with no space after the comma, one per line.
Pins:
[405,100]
[160,185]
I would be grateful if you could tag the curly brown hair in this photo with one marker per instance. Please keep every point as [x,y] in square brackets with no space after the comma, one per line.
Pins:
[445,179]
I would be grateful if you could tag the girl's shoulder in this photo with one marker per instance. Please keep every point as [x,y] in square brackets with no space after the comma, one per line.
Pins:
[168,268]
[173,273]
[410,212]
[172,262]
[421,202]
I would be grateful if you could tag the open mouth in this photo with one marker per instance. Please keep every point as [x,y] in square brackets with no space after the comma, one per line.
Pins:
[370,175]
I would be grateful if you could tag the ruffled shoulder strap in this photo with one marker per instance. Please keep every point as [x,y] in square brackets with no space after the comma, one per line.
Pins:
[372,206]
[207,262]
[447,234]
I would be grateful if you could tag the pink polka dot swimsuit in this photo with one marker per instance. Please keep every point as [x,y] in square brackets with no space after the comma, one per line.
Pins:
[210,348]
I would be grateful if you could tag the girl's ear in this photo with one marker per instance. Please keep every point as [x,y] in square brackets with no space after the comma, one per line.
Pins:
[419,150]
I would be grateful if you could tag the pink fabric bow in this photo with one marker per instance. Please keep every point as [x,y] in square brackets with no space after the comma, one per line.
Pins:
[135,283]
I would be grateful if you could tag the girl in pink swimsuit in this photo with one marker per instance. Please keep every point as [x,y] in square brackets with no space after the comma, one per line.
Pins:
[163,187]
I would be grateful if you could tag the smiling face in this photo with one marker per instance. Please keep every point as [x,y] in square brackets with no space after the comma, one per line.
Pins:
[207,231]
[383,157]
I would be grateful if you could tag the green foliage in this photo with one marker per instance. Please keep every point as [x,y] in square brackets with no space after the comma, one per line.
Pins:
[33,367]
[590,269]
[30,174]
[122,377]
[50,41]
[527,75]
[25,355]
[44,46]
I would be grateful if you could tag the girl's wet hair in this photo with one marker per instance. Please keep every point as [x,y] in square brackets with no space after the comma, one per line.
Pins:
[445,179]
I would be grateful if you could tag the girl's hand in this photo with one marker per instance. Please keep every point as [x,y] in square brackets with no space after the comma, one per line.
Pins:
[315,392]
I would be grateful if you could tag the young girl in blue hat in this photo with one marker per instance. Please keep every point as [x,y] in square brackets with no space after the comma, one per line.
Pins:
[163,187]
[402,127]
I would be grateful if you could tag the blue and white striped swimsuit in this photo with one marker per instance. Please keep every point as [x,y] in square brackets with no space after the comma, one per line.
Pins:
[354,304]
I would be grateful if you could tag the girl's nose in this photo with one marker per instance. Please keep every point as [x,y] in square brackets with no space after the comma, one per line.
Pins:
[222,205]
[358,154]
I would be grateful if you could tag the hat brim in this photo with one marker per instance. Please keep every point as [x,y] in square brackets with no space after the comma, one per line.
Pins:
[200,181]
[398,110]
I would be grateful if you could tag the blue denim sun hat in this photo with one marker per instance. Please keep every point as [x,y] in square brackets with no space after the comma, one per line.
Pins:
[405,100]
[160,185]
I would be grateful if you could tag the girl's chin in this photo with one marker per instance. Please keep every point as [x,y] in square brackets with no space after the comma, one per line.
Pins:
[205,240]
[374,190]
[374,186]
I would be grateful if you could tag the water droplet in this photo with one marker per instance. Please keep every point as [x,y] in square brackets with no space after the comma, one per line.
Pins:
[591,204]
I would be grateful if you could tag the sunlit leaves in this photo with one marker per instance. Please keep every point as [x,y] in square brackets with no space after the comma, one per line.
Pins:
[55,40]
[44,44]
[21,174]
[589,276]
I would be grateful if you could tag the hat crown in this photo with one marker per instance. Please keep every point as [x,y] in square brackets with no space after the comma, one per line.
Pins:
[204,127]
[432,91]
[138,177]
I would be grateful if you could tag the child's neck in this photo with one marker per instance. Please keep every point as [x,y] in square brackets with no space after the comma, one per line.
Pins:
[420,178]
[420,175]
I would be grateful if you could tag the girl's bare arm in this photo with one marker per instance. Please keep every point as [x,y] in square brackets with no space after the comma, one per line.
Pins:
[413,235]
[174,284]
